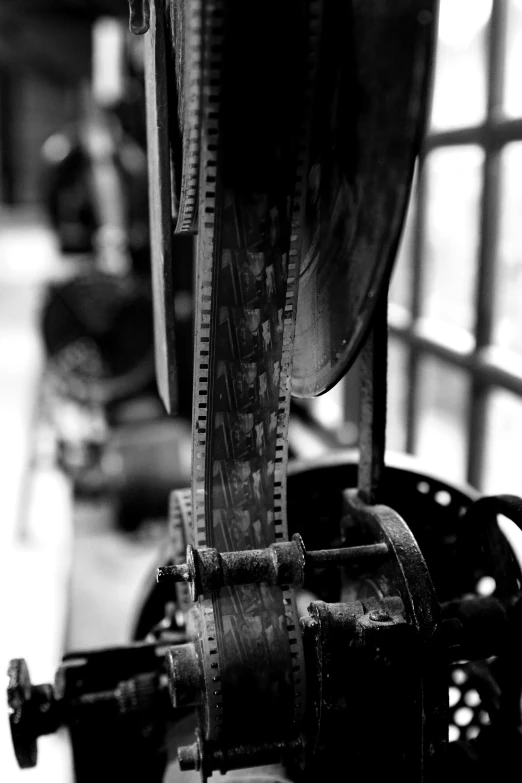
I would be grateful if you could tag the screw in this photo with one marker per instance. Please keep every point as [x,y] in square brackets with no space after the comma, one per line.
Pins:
[379,616]
[173,573]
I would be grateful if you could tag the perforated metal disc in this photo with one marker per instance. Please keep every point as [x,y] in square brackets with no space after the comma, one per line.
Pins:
[375,76]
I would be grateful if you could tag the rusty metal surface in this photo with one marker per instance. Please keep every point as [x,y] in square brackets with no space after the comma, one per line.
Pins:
[283,563]
[367,129]
[435,511]
[365,654]
[339,644]
[419,733]
[208,570]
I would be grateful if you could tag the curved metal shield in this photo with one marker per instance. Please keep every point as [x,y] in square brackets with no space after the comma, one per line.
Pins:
[368,125]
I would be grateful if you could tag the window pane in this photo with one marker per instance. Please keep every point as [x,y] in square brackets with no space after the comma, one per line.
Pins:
[512,90]
[401,287]
[397,390]
[508,299]
[503,467]
[454,181]
[459,98]
[441,440]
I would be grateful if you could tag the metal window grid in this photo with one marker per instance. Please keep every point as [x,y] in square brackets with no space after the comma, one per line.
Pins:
[484,364]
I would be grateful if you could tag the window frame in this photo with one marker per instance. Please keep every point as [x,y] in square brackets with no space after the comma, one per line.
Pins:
[486,366]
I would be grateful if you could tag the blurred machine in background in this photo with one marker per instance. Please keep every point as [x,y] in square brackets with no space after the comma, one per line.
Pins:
[288,150]
[97,329]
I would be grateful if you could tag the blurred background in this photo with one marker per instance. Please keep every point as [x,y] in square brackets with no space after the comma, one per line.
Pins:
[87,453]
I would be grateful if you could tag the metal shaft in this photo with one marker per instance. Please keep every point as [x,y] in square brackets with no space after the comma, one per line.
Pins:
[208,570]
[372,410]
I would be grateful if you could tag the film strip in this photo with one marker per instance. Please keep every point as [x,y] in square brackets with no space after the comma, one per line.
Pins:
[186,20]
[246,296]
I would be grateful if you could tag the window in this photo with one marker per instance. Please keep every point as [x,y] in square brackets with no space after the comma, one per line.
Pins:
[455,314]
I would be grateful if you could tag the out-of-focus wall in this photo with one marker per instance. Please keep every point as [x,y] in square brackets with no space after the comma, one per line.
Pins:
[45,58]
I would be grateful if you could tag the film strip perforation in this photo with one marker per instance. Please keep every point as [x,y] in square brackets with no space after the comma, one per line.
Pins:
[213,671]
[192,116]
[211,40]
[180,535]
[294,639]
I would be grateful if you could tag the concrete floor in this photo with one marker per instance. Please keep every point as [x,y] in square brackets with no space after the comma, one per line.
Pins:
[110,571]
[68,578]
[36,507]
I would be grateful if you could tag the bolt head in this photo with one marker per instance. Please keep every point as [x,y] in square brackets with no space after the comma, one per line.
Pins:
[379,616]
[19,690]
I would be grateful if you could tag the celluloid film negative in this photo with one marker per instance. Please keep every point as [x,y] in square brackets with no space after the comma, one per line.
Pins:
[260,656]
[247,272]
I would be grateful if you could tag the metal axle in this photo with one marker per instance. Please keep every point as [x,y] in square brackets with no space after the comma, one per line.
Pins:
[207,570]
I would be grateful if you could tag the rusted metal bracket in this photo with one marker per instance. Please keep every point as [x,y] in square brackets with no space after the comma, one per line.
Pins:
[206,757]
[139,16]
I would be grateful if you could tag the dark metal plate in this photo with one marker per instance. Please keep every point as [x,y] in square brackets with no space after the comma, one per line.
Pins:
[160,204]
[368,125]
